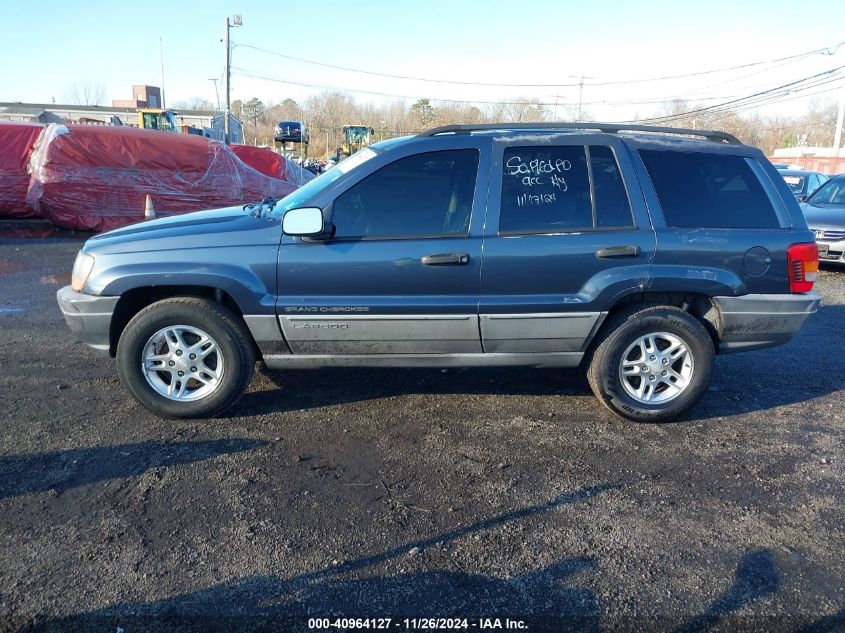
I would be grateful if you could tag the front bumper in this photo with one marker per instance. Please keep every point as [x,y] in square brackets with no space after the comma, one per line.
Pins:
[758,321]
[88,316]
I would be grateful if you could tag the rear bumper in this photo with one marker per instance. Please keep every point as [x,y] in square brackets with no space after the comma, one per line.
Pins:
[754,322]
[88,316]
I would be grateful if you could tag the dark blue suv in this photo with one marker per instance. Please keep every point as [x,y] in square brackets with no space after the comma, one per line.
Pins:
[638,252]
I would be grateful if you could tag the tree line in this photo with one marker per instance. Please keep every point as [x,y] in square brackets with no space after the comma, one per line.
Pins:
[325,115]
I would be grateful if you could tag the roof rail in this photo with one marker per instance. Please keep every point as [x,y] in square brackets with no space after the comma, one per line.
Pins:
[610,128]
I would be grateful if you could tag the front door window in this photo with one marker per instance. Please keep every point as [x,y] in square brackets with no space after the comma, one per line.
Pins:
[424,195]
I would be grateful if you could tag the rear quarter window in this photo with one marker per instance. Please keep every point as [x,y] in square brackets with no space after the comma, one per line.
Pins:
[702,190]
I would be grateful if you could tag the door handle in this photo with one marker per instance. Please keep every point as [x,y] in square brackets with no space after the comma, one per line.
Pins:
[446,259]
[618,251]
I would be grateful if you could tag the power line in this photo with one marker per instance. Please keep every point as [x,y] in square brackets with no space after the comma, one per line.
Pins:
[704,89]
[826,51]
[690,95]
[781,96]
[728,113]
[830,50]
[738,100]
[667,118]
[245,73]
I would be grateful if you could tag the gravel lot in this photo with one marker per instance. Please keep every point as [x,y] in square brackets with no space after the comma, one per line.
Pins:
[414,493]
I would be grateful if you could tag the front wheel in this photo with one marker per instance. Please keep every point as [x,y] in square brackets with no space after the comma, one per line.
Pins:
[185,357]
[651,364]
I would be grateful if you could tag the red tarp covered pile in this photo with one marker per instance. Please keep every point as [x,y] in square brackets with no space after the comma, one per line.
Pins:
[16,141]
[261,159]
[272,164]
[97,178]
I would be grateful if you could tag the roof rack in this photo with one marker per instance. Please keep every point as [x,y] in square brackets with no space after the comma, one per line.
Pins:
[610,128]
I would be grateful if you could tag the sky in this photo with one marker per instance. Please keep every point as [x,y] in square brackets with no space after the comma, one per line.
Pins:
[49,45]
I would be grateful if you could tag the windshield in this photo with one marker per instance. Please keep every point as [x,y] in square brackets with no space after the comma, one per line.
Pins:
[832,192]
[299,197]
[358,133]
[796,183]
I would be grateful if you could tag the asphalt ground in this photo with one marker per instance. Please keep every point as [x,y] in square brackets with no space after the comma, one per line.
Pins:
[506,493]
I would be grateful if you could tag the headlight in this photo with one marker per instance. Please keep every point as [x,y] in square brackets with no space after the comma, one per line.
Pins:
[82,268]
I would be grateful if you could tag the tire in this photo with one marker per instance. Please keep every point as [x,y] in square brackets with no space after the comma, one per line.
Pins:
[621,361]
[216,358]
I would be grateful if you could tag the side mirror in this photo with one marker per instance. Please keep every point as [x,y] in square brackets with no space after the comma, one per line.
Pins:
[304,222]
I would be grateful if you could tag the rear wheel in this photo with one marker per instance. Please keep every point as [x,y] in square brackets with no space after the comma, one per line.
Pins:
[651,364]
[185,357]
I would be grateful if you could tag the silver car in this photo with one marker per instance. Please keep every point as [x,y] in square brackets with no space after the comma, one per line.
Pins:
[825,213]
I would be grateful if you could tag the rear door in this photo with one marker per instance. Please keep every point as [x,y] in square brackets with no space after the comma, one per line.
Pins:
[721,219]
[563,237]
[401,275]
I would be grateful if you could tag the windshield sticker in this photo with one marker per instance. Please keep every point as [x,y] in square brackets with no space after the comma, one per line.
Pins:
[356,159]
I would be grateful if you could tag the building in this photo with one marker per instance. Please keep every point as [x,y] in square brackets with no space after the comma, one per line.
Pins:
[142,97]
[210,121]
[822,159]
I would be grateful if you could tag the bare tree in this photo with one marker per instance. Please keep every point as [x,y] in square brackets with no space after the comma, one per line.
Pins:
[194,103]
[86,93]
[519,110]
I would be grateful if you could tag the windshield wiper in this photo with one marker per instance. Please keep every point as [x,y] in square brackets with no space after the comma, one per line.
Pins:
[257,209]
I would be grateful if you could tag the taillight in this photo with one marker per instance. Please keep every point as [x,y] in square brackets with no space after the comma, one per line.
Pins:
[803,263]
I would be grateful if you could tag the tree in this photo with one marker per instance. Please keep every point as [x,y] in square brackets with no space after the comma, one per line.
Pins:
[86,93]
[423,111]
[254,110]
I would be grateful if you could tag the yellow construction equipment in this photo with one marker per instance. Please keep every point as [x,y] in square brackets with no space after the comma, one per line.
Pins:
[356,137]
[154,119]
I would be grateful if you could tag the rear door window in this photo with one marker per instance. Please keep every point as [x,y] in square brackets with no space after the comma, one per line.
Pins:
[702,190]
[611,199]
[554,189]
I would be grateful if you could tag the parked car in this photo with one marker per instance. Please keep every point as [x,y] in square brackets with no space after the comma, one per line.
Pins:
[636,252]
[803,183]
[291,132]
[825,214]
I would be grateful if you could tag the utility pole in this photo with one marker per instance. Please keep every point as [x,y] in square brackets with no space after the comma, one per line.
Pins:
[216,92]
[236,21]
[840,119]
[226,112]
[161,57]
[581,93]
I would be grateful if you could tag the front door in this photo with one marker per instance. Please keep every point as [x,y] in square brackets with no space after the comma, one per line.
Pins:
[564,236]
[402,272]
